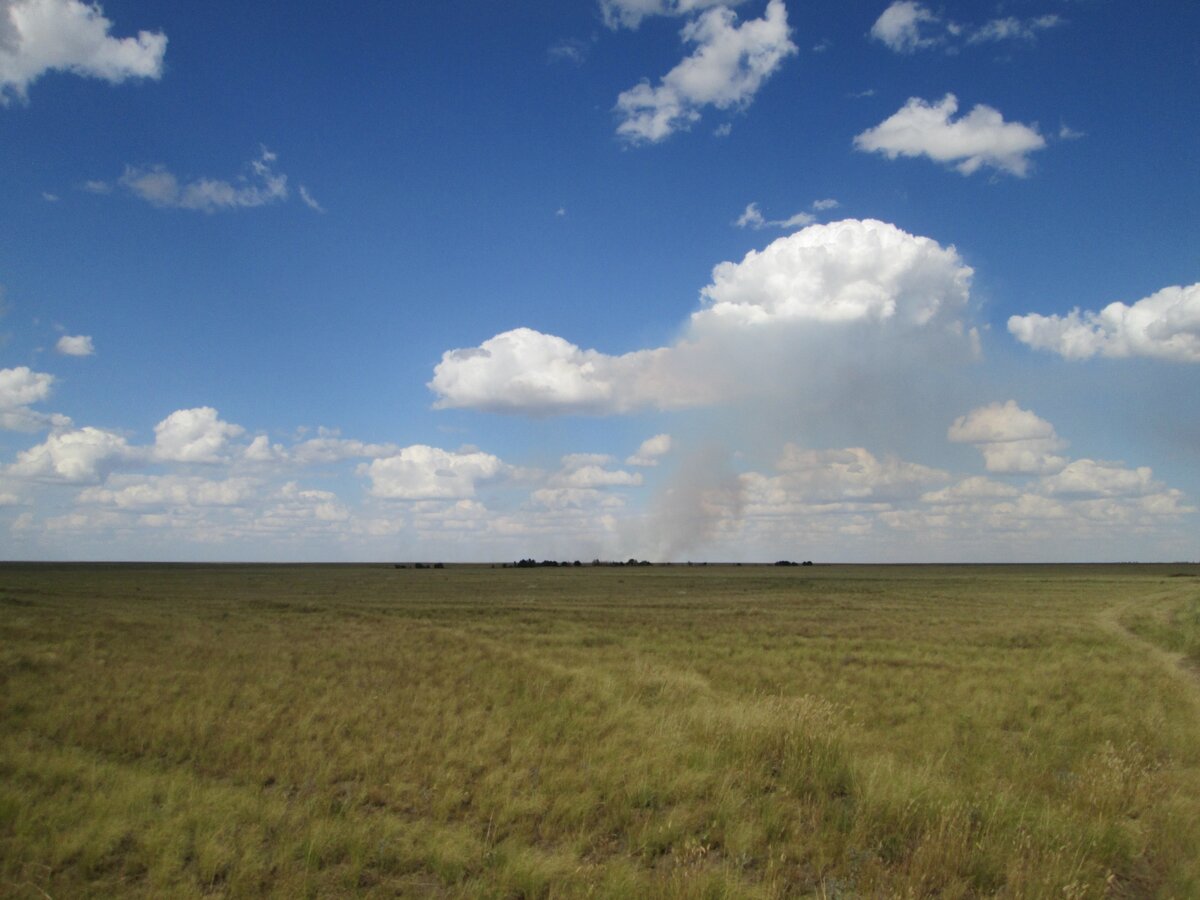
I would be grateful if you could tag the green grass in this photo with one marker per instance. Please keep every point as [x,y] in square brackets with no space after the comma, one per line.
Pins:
[677,732]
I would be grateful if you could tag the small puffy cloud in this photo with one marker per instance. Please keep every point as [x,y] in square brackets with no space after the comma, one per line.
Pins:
[75,345]
[1089,478]
[1012,440]
[980,138]
[752,217]
[97,187]
[841,272]
[900,27]
[160,187]
[421,472]
[261,450]
[629,13]
[193,436]
[584,471]
[526,371]
[650,451]
[731,62]
[83,456]
[20,387]
[39,36]
[1011,28]
[1165,325]
[826,204]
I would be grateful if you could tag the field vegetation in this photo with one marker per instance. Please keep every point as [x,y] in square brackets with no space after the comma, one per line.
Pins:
[614,732]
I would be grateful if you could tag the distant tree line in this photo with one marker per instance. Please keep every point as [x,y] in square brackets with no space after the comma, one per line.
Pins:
[532,563]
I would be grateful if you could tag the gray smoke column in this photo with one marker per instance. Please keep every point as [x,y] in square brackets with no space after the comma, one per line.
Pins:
[703,495]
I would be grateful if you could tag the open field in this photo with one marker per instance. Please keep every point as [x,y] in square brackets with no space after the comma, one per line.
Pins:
[666,731]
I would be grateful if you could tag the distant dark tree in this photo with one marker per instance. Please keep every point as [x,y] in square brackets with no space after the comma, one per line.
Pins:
[577,563]
[438,566]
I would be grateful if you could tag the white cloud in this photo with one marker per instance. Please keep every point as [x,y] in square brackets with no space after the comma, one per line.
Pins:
[853,270]
[38,36]
[650,451]
[568,50]
[82,456]
[752,217]
[328,447]
[900,26]
[1088,478]
[75,345]
[1165,325]
[295,508]
[629,13]
[22,386]
[19,387]
[97,187]
[726,70]
[261,450]
[144,492]
[49,197]
[420,472]
[971,490]
[980,138]
[1011,28]
[309,201]
[160,187]
[576,499]
[194,436]
[525,371]
[907,26]
[826,204]
[591,475]
[1011,439]
[847,274]
[853,474]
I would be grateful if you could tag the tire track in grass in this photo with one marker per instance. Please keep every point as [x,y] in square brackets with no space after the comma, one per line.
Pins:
[1177,664]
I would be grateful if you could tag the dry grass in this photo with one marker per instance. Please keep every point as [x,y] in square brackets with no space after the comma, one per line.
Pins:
[678,732]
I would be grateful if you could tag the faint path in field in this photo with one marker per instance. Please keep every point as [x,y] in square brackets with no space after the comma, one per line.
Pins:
[1176,663]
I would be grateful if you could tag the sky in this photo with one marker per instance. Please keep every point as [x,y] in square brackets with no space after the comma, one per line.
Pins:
[666,279]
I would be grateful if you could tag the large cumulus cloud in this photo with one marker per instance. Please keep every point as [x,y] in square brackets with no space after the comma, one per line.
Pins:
[856,288]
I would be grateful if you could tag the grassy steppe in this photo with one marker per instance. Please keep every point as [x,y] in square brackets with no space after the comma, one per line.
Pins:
[686,732]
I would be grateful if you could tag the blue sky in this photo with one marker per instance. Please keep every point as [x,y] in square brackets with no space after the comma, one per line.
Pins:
[674,279]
